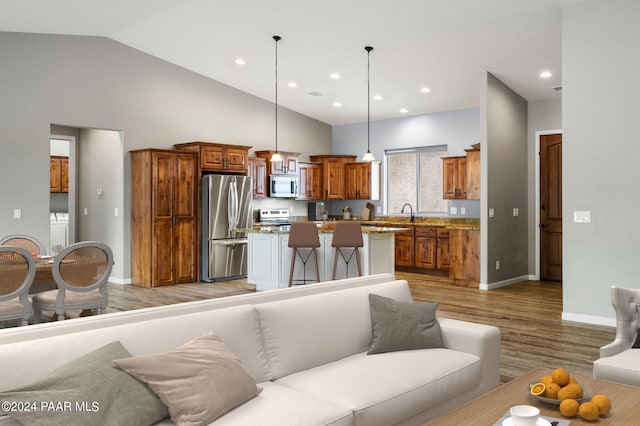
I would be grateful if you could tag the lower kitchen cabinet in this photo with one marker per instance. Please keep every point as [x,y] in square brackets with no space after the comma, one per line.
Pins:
[422,249]
[465,256]
[442,250]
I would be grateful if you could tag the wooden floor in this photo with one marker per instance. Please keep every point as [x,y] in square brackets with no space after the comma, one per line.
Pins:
[528,315]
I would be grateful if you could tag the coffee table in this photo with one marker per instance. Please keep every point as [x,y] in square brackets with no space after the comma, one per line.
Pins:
[491,406]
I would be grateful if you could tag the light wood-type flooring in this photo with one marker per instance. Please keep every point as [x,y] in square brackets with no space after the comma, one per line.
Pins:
[528,315]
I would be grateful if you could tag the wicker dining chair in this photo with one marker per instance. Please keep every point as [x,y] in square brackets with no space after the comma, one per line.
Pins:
[25,241]
[81,271]
[17,271]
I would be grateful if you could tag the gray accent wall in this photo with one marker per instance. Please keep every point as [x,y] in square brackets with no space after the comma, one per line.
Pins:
[504,184]
[456,129]
[97,83]
[601,84]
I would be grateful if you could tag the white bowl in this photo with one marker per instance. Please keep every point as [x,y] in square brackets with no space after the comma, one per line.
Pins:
[524,415]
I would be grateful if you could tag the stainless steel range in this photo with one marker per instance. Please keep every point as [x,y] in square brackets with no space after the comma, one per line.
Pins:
[280,218]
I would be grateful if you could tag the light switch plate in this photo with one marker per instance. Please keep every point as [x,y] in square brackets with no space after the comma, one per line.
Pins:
[516,212]
[454,210]
[581,217]
[492,213]
[463,210]
[17,213]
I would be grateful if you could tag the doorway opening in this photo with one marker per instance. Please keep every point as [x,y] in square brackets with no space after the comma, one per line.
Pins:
[62,193]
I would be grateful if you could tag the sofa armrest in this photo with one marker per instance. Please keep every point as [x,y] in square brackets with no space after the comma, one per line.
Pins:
[478,339]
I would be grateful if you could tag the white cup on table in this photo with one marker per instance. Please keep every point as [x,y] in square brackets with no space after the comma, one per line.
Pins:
[524,415]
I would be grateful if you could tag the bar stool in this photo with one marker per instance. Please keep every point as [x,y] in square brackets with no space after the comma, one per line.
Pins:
[347,235]
[303,235]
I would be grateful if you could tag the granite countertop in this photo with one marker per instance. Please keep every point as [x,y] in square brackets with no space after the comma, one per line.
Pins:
[472,224]
[322,229]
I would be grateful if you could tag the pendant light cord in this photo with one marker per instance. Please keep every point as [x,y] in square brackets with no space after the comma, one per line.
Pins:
[277,39]
[368,155]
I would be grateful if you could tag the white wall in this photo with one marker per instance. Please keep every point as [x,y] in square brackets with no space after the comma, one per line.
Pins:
[97,83]
[600,109]
[456,129]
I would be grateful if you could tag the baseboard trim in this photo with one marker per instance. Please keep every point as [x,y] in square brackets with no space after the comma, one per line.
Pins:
[504,283]
[589,319]
[119,281]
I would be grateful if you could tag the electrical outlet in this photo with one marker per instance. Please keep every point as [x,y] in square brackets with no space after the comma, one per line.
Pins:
[115,212]
[463,210]
[17,213]
[497,265]
[516,212]
[86,211]
[454,210]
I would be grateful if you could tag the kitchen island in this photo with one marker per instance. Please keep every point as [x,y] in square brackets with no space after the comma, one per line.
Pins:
[269,257]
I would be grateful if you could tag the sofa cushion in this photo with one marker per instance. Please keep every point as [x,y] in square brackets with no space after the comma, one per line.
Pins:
[399,326]
[107,395]
[388,388]
[308,331]
[623,367]
[199,381]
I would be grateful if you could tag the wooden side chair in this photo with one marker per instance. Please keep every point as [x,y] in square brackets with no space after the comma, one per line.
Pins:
[303,235]
[81,271]
[347,236]
[17,271]
[25,241]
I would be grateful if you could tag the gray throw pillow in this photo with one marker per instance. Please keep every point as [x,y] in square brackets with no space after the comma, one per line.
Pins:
[636,344]
[399,326]
[89,390]
[199,381]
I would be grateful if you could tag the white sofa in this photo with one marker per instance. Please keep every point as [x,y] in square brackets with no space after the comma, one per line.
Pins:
[618,362]
[305,347]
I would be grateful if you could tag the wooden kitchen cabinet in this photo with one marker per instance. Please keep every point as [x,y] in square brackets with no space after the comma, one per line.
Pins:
[288,165]
[257,170]
[473,174]
[333,174]
[217,157]
[465,256]
[309,181]
[442,250]
[362,181]
[58,174]
[454,177]
[164,217]
[422,249]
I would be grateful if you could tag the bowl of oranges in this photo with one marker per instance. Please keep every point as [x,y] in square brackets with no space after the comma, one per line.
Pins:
[572,398]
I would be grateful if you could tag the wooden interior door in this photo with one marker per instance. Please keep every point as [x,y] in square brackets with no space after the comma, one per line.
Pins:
[551,207]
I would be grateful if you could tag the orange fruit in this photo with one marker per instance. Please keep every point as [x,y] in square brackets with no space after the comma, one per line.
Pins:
[566,393]
[589,411]
[569,407]
[572,379]
[560,376]
[551,390]
[546,380]
[537,389]
[603,403]
[577,390]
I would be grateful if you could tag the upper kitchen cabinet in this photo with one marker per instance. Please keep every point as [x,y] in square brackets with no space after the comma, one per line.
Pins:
[362,181]
[217,157]
[473,174]
[333,174]
[258,171]
[454,177]
[163,217]
[58,174]
[309,181]
[288,165]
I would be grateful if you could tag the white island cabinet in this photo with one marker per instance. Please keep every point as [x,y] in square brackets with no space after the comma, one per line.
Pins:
[269,258]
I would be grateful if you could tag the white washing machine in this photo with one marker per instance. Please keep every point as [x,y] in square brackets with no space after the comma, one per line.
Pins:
[59,234]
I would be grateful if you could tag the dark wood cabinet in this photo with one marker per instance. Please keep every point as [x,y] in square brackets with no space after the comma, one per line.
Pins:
[333,174]
[217,157]
[454,177]
[163,217]
[473,174]
[309,181]
[58,174]
[362,181]
[258,171]
[422,249]
[288,165]
[465,256]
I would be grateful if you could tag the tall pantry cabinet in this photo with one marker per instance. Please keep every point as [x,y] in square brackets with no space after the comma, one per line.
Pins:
[163,217]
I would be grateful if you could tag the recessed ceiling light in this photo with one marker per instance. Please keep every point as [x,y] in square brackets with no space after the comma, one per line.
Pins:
[335,76]
[425,90]
[377,97]
[337,104]
[292,84]
[240,61]
[545,74]
[404,110]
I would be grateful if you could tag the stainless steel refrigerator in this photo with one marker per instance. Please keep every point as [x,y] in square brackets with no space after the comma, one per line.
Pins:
[226,208]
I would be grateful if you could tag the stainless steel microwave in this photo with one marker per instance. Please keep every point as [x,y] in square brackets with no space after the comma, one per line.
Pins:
[283,186]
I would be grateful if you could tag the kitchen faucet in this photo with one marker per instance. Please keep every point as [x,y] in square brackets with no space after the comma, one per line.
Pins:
[410,210]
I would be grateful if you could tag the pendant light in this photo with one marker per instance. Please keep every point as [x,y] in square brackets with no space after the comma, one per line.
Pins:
[368,156]
[276,155]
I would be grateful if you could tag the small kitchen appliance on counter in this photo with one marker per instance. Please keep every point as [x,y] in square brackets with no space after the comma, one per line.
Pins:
[316,211]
